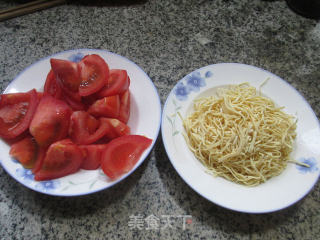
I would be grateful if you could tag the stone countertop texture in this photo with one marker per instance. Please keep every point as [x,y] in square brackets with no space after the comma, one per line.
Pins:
[168,39]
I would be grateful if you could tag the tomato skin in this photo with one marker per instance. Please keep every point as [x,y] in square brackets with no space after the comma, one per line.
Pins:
[106,107]
[124,111]
[51,86]
[82,125]
[118,82]
[25,151]
[40,158]
[116,128]
[85,129]
[62,158]
[51,121]
[28,153]
[74,104]
[122,154]
[92,156]
[40,95]
[16,113]
[66,74]
[94,74]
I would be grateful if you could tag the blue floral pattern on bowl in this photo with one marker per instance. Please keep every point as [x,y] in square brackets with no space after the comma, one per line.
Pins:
[25,174]
[195,81]
[208,74]
[312,162]
[47,186]
[181,91]
[28,177]
[191,83]
[76,57]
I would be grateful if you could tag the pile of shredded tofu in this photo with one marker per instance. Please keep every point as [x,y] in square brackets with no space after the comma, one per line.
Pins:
[240,135]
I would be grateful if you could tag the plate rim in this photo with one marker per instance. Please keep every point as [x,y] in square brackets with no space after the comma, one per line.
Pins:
[180,173]
[123,177]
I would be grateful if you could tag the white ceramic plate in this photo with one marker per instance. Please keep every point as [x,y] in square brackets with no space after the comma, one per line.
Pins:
[144,120]
[277,193]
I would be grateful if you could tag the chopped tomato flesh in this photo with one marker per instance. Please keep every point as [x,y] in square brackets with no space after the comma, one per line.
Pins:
[62,158]
[85,129]
[106,107]
[16,113]
[66,74]
[92,156]
[122,154]
[51,121]
[124,111]
[51,86]
[94,74]
[118,82]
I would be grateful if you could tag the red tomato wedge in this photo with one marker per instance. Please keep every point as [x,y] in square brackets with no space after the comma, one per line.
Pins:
[85,129]
[40,95]
[92,156]
[62,158]
[27,152]
[51,121]
[94,73]
[51,86]
[124,111]
[66,74]
[116,128]
[118,82]
[74,104]
[16,112]
[122,154]
[106,107]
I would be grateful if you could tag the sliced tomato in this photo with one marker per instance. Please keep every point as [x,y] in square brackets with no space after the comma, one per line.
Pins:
[27,152]
[72,95]
[40,158]
[51,86]
[89,100]
[51,121]
[85,129]
[118,82]
[16,112]
[122,154]
[82,124]
[117,128]
[67,76]
[92,156]
[62,158]
[124,111]
[94,73]
[74,104]
[106,107]
[39,95]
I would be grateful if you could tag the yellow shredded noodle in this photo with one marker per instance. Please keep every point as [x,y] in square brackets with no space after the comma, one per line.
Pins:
[240,135]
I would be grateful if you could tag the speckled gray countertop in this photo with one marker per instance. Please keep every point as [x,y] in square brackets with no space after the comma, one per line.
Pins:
[168,39]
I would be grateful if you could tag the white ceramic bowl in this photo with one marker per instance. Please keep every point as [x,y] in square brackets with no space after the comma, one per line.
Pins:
[144,120]
[277,193]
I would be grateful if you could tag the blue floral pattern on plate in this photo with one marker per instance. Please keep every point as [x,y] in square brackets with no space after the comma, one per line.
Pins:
[208,74]
[25,174]
[312,162]
[191,83]
[76,57]
[28,177]
[195,81]
[47,186]
[181,91]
